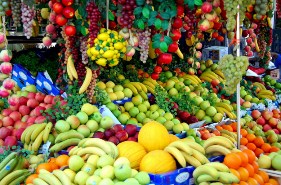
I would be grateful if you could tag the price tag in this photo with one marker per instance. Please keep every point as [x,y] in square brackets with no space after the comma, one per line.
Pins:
[243,113]
[44,149]
[270,104]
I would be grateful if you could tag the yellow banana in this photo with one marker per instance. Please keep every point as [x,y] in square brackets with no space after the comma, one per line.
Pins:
[227,178]
[47,131]
[179,53]
[137,86]
[265,92]
[49,178]
[228,137]
[64,179]
[200,157]
[225,105]
[218,140]
[191,160]
[148,83]
[231,134]
[69,73]
[37,131]
[193,80]
[72,151]
[256,45]
[209,170]
[12,176]
[62,145]
[219,166]
[143,95]
[182,146]
[114,150]
[27,133]
[132,87]
[205,178]
[72,67]
[38,181]
[195,146]
[269,22]
[217,149]
[143,87]
[177,155]
[151,90]
[67,135]
[205,78]
[91,150]
[96,142]
[154,82]
[86,81]
[219,73]
[38,141]
[261,86]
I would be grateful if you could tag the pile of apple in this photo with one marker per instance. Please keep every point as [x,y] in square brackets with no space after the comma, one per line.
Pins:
[25,109]
[250,40]
[271,161]
[118,133]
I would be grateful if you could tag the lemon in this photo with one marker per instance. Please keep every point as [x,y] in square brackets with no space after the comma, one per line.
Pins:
[115,33]
[96,40]
[112,96]
[108,54]
[93,58]
[118,46]
[102,30]
[108,40]
[101,51]
[124,50]
[101,85]
[101,61]
[89,52]
[110,84]
[103,36]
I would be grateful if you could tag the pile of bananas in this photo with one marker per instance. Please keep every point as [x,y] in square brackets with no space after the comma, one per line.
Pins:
[187,152]
[263,92]
[150,85]
[109,47]
[94,146]
[70,69]
[194,80]
[137,88]
[225,109]
[218,145]
[57,177]
[34,135]
[11,170]
[209,75]
[214,173]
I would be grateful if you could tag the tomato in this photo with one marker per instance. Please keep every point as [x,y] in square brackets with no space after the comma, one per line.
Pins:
[70,30]
[175,34]
[173,47]
[180,11]
[177,23]
[9,12]
[215,35]
[68,12]
[220,38]
[154,76]
[157,69]
[217,25]
[164,58]
[61,20]
[57,7]
[67,2]
[158,51]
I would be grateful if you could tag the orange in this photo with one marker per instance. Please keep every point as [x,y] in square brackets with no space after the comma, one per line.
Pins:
[251,155]
[30,178]
[54,166]
[45,166]
[232,160]
[274,149]
[219,127]
[252,181]
[259,179]
[264,175]
[234,126]
[242,147]
[258,152]
[273,182]
[258,141]
[250,169]
[244,158]
[251,146]
[251,137]
[243,141]
[266,147]
[235,172]
[244,174]
[62,160]
[52,160]
[243,183]
[227,127]
[256,166]
[243,132]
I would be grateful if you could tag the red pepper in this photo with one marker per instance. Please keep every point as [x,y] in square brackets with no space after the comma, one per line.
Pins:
[157,69]
[180,11]
[176,34]
[173,47]
[154,76]
[164,58]
[177,23]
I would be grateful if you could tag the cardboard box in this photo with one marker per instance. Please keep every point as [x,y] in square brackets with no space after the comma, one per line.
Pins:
[214,53]
[45,85]
[22,76]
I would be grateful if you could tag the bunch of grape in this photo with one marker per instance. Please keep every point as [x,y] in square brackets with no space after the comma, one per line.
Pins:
[188,22]
[4,6]
[91,88]
[231,8]
[127,13]
[67,46]
[261,8]
[27,19]
[83,50]
[233,69]
[144,39]
[16,12]
[94,17]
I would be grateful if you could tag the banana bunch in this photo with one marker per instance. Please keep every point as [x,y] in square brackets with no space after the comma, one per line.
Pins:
[267,94]
[57,177]
[218,145]
[229,135]
[66,139]
[220,74]
[94,146]
[150,85]
[137,88]
[193,79]
[214,173]
[209,76]
[34,135]
[259,85]
[11,170]
[87,80]
[187,152]
[70,69]
[225,108]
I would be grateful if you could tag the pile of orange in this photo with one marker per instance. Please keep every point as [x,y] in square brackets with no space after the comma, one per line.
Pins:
[256,143]
[243,165]
[52,164]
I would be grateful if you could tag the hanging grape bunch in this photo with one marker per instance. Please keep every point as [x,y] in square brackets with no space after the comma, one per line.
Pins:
[94,16]
[108,48]
[233,69]
[27,19]
[126,17]
[16,12]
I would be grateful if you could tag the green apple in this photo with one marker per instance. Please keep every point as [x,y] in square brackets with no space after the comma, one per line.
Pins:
[140,117]
[168,74]
[88,168]
[109,90]
[191,133]
[176,121]
[120,95]
[106,122]
[170,84]
[89,108]
[154,115]
[161,120]
[123,118]
[93,159]
[75,163]
[169,125]
[116,113]
[255,100]
[97,172]
[120,183]
[243,93]
[83,117]
[173,92]
[148,113]
[217,117]
[30,88]
[128,92]
[134,172]
[106,181]
[121,161]
[84,130]
[94,179]
[248,98]
[146,120]
[132,181]
[137,100]
[107,172]
[111,106]
[105,160]
[118,88]
[133,121]
[81,177]
[123,171]
[134,112]
[200,114]
[168,116]
[92,125]
[207,119]
[198,100]
[211,111]
[62,126]
[142,107]
[142,177]
[204,105]
[128,106]
[178,128]
[185,126]
[161,112]
[146,103]
[154,107]
[179,85]
[96,116]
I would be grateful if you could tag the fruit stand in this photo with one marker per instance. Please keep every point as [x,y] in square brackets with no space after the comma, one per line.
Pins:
[139,92]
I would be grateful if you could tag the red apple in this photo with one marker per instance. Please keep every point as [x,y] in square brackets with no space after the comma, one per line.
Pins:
[256,114]
[266,127]
[215,82]
[38,110]
[25,118]
[1,123]
[122,135]
[40,97]
[279,126]
[276,131]
[24,110]
[6,112]
[272,122]
[1,144]
[32,103]
[40,119]
[13,108]
[132,139]
[20,124]
[31,95]
[261,121]
[5,132]
[131,129]
[117,128]
[31,119]
[267,114]
[23,100]
[7,121]
[98,134]
[15,115]
[114,140]
[48,99]
[108,133]
[10,141]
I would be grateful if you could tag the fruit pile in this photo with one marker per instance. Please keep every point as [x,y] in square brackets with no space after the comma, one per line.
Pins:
[270,161]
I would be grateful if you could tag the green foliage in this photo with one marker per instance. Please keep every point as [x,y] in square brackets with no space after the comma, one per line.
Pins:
[163,100]
[101,96]
[18,149]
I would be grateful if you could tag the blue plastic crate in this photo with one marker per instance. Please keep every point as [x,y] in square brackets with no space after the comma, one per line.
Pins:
[22,76]
[46,86]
